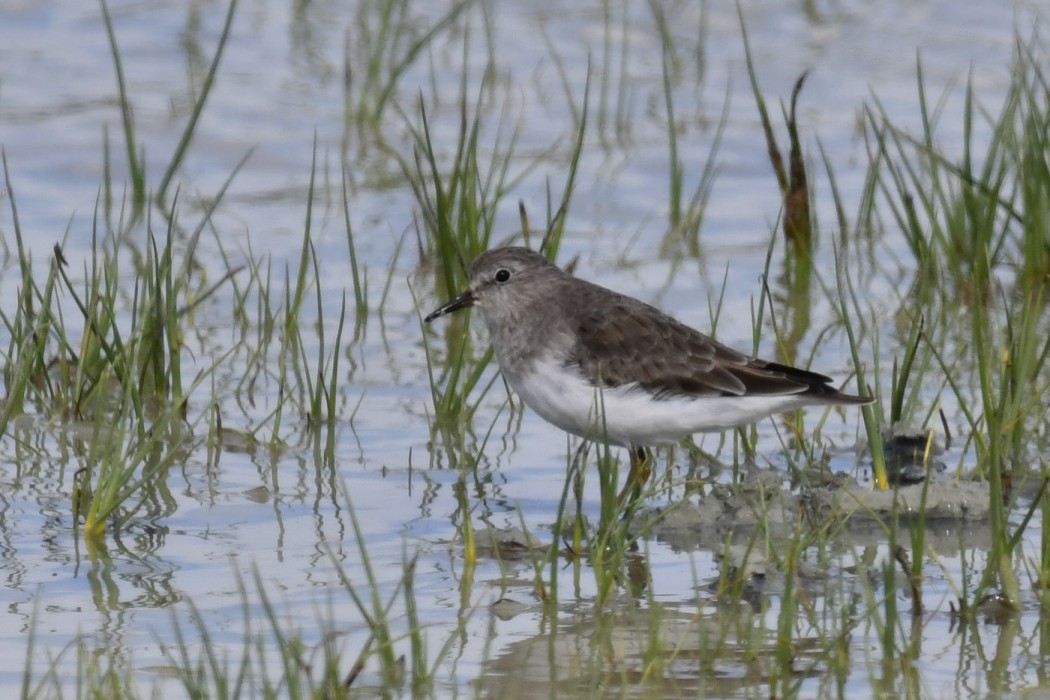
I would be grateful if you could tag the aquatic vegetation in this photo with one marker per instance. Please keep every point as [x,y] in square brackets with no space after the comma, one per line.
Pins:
[182,387]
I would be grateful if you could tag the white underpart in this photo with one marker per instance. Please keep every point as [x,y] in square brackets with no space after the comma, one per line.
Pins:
[629,415]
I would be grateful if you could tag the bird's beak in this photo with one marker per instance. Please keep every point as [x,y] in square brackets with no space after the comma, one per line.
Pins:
[465,299]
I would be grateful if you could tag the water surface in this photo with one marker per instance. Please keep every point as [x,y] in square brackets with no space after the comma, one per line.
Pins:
[281,96]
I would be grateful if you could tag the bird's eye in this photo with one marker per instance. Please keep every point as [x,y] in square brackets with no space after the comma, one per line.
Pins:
[502,276]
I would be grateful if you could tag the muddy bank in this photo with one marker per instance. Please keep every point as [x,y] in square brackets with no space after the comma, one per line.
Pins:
[763,501]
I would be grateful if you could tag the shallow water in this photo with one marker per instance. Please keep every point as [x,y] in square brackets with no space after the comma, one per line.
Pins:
[285,515]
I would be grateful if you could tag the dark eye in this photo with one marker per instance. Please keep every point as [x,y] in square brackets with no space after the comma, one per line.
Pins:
[502,276]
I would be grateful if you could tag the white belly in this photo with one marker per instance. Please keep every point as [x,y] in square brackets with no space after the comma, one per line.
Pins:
[631,416]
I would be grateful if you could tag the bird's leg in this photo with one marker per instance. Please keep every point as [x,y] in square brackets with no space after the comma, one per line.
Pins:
[641,467]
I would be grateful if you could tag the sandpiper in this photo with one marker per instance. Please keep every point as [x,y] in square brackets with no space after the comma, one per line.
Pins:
[606,366]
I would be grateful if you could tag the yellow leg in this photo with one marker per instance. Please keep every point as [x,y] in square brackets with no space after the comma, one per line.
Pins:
[641,467]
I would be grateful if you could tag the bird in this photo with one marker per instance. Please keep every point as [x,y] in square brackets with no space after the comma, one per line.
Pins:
[606,366]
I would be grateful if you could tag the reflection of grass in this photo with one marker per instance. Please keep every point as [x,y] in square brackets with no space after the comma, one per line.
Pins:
[276,657]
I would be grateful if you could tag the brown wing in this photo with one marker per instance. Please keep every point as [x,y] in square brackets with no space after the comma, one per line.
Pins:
[621,341]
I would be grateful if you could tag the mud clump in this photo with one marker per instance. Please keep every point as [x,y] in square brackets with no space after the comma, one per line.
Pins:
[763,501]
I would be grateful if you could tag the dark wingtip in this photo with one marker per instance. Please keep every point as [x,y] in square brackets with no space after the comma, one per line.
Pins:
[818,385]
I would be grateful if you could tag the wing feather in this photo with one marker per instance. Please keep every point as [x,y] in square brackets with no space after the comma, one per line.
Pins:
[622,341]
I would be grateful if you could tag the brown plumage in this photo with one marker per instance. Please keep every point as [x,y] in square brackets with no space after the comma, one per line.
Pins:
[606,366]
[621,340]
